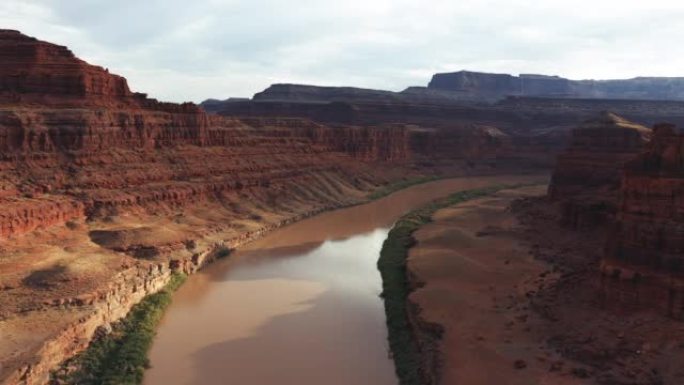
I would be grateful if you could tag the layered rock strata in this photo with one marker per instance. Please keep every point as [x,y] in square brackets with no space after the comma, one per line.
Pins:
[644,261]
[537,129]
[587,175]
[104,192]
[594,159]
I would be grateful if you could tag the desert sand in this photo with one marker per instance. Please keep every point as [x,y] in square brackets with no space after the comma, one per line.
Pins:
[472,269]
[519,306]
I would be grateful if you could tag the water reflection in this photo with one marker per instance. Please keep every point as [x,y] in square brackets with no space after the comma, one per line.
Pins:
[300,306]
[267,314]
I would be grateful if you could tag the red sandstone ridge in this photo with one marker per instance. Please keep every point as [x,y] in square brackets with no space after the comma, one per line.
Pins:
[44,73]
[369,143]
[61,119]
[49,100]
[587,175]
[103,192]
[75,133]
[468,142]
[35,72]
[646,246]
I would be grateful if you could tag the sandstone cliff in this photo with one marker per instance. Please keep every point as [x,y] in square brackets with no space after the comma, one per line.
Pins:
[537,128]
[645,249]
[104,192]
[534,137]
[72,129]
[598,150]
[587,175]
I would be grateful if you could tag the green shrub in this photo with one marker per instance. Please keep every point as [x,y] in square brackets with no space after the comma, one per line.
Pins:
[222,252]
[387,190]
[395,284]
[121,356]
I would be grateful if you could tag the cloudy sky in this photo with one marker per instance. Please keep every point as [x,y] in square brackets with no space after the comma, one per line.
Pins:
[180,50]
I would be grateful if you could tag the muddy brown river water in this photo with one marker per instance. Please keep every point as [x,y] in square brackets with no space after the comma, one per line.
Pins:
[299,306]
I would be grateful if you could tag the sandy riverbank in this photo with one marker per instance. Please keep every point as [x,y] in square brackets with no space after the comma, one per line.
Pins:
[520,301]
[472,265]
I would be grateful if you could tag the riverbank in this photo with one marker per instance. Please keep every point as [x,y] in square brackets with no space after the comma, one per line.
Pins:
[37,341]
[119,356]
[285,287]
[60,284]
[500,293]
[470,272]
[413,343]
[400,185]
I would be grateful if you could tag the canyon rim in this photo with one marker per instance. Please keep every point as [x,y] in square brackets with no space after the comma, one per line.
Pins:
[453,227]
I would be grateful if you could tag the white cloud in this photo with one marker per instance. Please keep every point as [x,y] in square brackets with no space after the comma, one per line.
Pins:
[178,50]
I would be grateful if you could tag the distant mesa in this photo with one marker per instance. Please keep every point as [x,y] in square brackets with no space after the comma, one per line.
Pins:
[498,86]
[324,94]
[214,105]
[482,87]
[309,93]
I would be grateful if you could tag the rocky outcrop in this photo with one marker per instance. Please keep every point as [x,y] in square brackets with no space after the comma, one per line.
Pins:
[488,86]
[587,176]
[644,261]
[598,150]
[23,215]
[469,143]
[389,143]
[40,72]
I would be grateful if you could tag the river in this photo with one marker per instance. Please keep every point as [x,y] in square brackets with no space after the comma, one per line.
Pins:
[298,306]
